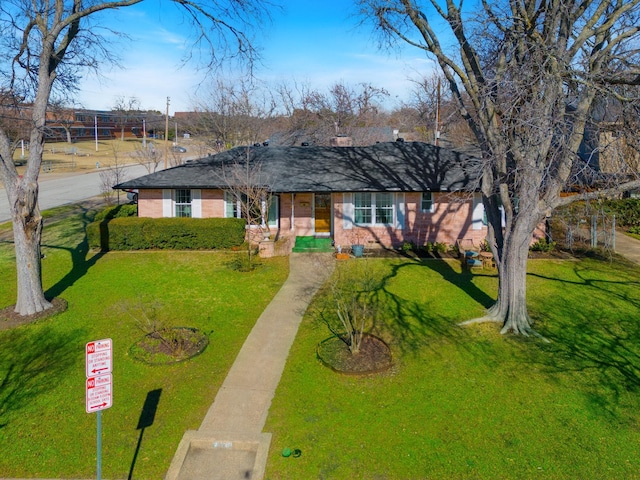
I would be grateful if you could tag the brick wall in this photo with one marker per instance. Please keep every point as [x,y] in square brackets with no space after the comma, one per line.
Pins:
[150,203]
[212,204]
[450,220]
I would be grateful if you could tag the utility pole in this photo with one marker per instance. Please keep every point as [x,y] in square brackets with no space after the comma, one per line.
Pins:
[437,132]
[166,136]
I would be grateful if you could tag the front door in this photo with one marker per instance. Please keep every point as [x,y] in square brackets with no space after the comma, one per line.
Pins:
[322,212]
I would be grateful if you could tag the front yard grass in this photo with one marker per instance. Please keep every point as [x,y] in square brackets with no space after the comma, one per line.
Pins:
[44,429]
[466,402]
[459,403]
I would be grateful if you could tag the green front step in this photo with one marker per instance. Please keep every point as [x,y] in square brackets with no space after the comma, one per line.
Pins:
[312,244]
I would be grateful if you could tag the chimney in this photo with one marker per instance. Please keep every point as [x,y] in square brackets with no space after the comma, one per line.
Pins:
[341,141]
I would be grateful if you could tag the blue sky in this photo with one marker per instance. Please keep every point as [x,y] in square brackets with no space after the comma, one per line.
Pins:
[316,43]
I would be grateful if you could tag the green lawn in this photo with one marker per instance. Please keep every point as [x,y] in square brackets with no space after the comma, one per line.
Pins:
[459,403]
[44,429]
[465,403]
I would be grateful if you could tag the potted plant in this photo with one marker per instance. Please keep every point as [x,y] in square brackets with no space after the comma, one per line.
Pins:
[357,243]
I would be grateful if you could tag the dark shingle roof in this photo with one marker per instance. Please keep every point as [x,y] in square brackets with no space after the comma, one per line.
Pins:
[392,166]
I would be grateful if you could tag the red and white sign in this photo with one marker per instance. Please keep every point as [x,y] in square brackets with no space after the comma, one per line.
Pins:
[99,393]
[99,355]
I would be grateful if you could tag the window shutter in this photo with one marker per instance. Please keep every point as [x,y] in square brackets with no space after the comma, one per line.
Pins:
[477,217]
[167,207]
[400,211]
[196,203]
[347,211]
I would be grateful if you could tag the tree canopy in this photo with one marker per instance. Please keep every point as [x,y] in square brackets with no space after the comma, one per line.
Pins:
[526,75]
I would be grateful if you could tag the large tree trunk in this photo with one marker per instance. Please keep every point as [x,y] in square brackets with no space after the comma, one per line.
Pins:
[511,306]
[510,247]
[27,235]
[23,203]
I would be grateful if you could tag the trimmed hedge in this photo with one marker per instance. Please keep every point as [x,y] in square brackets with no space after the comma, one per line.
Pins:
[117,211]
[627,211]
[135,233]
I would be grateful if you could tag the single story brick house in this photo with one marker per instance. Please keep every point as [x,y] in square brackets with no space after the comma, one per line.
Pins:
[386,193]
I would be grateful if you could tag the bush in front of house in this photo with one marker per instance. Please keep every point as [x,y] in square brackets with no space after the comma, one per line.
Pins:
[116,211]
[135,233]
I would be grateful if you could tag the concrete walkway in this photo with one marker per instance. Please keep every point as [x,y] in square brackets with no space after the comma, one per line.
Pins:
[628,247]
[230,444]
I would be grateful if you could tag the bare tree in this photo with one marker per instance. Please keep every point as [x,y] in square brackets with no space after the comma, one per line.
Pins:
[249,194]
[316,116]
[525,75]
[62,117]
[148,157]
[234,113]
[124,110]
[114,174]
[350,307]
[44,47]
[430,112]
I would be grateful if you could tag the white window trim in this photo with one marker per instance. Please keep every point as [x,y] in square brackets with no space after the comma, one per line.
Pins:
[394,213]
[433,203]
[196,203]
[229,197]
[167,203]
[191,203]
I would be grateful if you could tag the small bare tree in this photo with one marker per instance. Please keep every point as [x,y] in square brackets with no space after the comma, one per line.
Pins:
[349,306]
[148,157]
[114,174]
[124,110]
[248,188]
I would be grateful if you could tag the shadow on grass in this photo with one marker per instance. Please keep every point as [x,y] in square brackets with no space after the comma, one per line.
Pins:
[147,416]
[411,325]
[80,263]
[31,364]
[588,312]
[416,324]
[594,336]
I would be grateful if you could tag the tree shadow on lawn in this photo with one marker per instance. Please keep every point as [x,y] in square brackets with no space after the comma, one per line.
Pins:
[32,363]
[593,339]
[80,263]
[415,325]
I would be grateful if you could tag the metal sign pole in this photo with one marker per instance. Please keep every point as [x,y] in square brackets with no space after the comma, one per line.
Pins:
[99,435]
[99,385]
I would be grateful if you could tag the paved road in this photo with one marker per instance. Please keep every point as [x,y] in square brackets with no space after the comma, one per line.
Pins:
[60,189]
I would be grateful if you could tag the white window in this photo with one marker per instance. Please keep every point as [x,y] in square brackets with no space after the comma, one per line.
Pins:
[373,208]
[235,207]
[183,203]
[231,205]
[426,203]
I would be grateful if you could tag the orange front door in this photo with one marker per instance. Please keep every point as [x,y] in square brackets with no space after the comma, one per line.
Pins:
[322,212]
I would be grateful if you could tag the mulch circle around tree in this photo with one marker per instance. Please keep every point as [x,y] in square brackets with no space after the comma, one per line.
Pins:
[170,345]
[10,319]
[374,355]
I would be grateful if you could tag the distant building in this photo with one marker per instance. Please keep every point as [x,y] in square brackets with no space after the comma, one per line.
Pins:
[73,125]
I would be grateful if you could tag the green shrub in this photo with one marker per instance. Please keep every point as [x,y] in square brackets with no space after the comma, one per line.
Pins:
[134,233]
[634,230]
[542,246]
[440,247]
[408,246]
[117,211]
[627,211]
